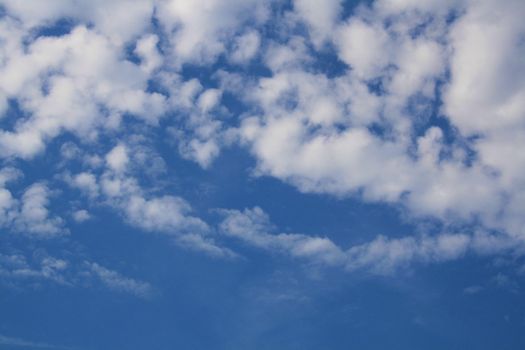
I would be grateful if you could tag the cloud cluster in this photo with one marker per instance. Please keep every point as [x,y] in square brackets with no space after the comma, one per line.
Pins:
[428,113]
[28,215]
[17,270]
[115,185]
[417,104]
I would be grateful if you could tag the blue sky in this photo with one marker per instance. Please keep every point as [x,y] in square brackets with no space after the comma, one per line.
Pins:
[242,174]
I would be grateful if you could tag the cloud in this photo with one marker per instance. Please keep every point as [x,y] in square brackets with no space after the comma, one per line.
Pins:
[81,215]
[200,29]
[321,17]
[415,104]
[117,158]
[28,215]
[24,343]
[34,217]
[71,83]
[117,186]
[359,133]
[115,281]
[245,47]
[18,270]
[382,255]
[119,20]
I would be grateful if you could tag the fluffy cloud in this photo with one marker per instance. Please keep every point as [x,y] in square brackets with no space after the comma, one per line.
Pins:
[34,217]
[73,83]
[321,17]
[119,20]
[420,105]
[200,29]
[117,187]
[28,215]
[245,47]
[360,132]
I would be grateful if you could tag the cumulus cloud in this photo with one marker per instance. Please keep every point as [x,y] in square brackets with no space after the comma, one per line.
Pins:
[116,186]
[321,17]
[359,133]
[119,20]
[200,29]
[29,214]
[72,83]
[419,105]
[34,217]
[245,47]
[81,215]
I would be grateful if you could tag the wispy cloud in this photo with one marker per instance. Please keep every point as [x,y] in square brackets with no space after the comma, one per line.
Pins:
[10,342]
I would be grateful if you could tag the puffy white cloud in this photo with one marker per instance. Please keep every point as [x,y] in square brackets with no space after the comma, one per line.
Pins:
[245,47]
[364,47]
[81,215]
[28,215]
[71,83]
[117,158]
[200,29]
[146,49]
[359,133]
[34,217]
[120,20]
[321,17]
[372,129]
[86,182]
[202,136]
[487,89]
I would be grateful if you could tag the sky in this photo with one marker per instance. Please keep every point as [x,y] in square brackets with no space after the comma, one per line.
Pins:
[262,174]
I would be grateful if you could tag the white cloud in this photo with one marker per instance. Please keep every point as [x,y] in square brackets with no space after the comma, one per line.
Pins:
[86,182]
[381,256]
[120,20]
[147,50]
[199,29]
[16,267]
[118,188]
[117,159]
[117,282]
[321,16]
[34,217]
[487,72]
[364,47]
[253,227]
[71,83]
[358,132]
[18,270]
[245,47]
[81,215]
